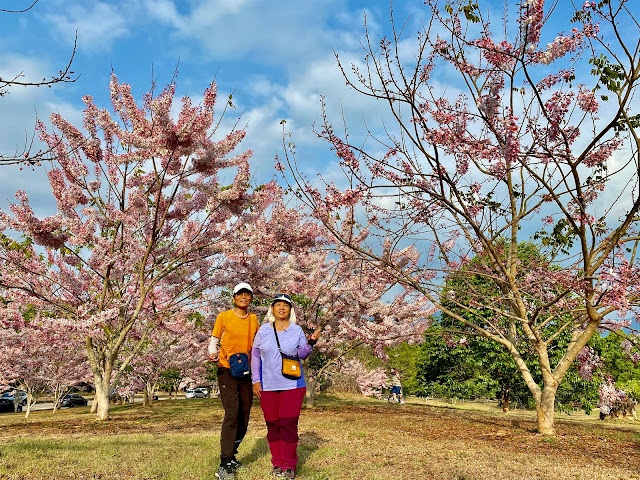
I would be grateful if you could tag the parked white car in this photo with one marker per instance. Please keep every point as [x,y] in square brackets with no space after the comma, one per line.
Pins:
[194,393]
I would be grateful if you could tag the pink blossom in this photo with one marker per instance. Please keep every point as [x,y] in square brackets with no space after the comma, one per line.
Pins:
[587,100]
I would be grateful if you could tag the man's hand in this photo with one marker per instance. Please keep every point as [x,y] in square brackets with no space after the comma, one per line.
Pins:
[214,357]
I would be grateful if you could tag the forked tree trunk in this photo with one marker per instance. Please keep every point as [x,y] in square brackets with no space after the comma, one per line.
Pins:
[149,390]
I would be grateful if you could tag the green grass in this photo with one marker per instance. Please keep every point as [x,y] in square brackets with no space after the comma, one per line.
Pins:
[341,438]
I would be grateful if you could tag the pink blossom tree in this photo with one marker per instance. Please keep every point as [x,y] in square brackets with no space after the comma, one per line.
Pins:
[181,346]
[23,364]
[536,141]
[40,359]
[146,205]
[67,369]
[370,381]
[355,305]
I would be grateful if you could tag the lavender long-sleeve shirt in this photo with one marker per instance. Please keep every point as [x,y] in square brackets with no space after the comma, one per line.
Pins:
[266,362]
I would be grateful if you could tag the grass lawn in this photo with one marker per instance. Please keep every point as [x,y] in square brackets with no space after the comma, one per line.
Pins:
[340,438]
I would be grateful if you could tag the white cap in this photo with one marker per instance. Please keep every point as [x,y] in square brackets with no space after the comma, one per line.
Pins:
[242,286]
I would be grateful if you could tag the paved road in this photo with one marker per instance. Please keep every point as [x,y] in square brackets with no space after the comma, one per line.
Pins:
[49,405]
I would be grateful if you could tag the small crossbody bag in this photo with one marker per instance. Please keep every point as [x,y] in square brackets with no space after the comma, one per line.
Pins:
[291,368]
[239,362]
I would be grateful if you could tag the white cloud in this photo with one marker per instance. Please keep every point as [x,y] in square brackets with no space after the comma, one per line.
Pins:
[19,110]
[270,32]
[98,24]
[27,69]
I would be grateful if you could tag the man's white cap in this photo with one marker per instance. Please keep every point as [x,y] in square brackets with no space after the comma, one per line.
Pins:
[242,286]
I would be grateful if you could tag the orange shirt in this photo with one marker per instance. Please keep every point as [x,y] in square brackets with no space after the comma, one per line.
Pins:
[235,334]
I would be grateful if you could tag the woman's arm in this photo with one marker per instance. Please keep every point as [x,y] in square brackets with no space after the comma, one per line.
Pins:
[306,346]
[304,351]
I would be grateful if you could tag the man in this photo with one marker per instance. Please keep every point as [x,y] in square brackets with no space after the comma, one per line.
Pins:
[233,333]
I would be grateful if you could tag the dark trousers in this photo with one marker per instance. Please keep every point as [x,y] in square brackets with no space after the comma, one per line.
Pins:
[237,397]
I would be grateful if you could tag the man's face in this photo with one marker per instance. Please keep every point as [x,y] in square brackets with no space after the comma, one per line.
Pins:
[242,298]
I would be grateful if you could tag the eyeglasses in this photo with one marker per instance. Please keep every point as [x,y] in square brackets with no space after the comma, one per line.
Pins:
[243,294]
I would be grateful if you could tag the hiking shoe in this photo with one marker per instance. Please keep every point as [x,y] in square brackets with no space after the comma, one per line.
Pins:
[288,473]
[234,464]
[276,472]
[225,473]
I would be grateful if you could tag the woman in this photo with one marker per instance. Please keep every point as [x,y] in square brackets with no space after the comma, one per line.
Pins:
[280,397]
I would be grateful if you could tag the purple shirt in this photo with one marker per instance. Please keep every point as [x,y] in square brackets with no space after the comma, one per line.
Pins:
[266,362]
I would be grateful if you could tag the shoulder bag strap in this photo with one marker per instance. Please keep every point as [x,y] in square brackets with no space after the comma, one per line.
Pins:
[275,332]
[249,335]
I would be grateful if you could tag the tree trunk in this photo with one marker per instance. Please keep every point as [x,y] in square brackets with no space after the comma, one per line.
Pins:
[31,400]
[311,392]
[100,404]
[545,406]
[149,390]
[311,386]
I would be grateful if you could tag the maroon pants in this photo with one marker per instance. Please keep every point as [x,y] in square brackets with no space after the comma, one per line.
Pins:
[281,412]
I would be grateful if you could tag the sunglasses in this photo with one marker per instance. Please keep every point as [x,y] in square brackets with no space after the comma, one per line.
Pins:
[282,296]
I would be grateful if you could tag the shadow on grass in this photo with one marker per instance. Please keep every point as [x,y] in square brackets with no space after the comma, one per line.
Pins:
[259,450]
[308,443]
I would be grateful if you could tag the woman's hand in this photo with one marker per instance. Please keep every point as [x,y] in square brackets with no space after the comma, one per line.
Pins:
[257,389]
[315,335]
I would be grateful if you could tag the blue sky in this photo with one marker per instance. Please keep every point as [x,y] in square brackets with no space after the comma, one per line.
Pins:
[276,56]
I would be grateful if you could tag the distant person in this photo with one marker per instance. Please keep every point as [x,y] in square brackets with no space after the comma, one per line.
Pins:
[233,334]
[396,387]
[281,397]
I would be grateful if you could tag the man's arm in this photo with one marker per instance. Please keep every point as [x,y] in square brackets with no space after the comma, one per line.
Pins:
[214,349]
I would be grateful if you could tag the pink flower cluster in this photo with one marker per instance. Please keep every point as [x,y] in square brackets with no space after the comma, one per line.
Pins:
[564,44]
[610,396]
[531,20]
[588,361]
[586,100]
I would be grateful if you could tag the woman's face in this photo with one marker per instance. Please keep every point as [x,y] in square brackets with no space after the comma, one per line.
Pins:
[281,310]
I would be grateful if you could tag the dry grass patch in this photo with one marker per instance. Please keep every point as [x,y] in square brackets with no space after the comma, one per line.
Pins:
[341,438]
